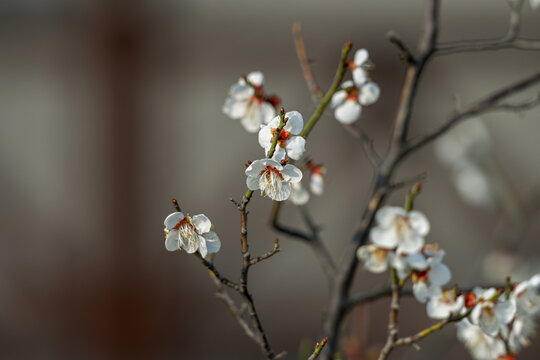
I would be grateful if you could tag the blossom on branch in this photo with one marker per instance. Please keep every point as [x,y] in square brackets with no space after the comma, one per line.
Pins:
[359,66]
[273,179]
[348,101]
[492,316]
[289,142]
[190,234]
[299,195]
[248,103]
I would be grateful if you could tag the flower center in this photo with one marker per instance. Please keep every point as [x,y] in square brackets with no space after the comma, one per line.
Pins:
[284,135]
[270,182]
[402,225]
[352,93]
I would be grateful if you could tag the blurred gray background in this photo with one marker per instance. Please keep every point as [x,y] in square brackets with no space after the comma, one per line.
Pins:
[110,108]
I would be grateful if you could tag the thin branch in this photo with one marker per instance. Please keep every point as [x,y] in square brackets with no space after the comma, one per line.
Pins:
[237,313]
[315,90]
[367,144]
[510,40]
[268,255]
[392,318]
[405,53]
[340,73]
[318,348]
[216,274]
[489,103]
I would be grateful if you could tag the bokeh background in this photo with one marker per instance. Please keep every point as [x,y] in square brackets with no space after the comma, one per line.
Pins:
[110,108]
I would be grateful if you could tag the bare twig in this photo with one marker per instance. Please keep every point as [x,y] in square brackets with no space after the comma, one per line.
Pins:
[510,40]
[215,274]
[316,92]
[367,143]
[237,313]
[267,255]
[392,318]
[405,53]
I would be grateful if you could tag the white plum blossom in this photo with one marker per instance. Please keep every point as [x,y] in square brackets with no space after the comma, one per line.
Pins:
[404,263]
[190,234]
[427,283]
[347,102]
[480,345]
[299,195]
[248,103]
[527,296]
[273,179]
[375,259]
[316,182]
[445,303]
[399,229]
[523,329]
[359,66]
[492,316]
[289,142]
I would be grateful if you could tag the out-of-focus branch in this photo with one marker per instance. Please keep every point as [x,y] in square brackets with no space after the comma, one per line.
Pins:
[489,103]
[367,144]
[392,318]
[315,90]
[318,349]
[510,40]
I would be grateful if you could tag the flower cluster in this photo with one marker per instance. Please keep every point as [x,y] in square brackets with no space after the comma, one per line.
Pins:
[493,324]
[191,234]
[248,103]
[348,101]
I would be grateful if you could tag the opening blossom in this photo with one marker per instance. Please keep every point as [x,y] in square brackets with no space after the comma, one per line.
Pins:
[492,316]
[190,234]
[248,103]
[445,303]
[289,142]
[347,102]
[359,66]
[480,345]
[316,182]
[428,282]
[273,179]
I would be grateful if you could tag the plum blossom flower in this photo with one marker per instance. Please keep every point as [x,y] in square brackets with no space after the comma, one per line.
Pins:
[359,66]
[527,296]
[248,103]
[289,142]
[444,303]
[316,183]
[272,178]
[299,195]
[480,345]
[375,259]
[190,234]
[399,229]
[428,282]
[492,317]
[523,329]
[348,101]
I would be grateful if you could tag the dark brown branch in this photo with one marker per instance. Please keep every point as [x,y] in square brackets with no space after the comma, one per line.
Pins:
[510,40]
[267,255]
[405,53]
[489,103]
[216,274]
[316,92]
[237,313]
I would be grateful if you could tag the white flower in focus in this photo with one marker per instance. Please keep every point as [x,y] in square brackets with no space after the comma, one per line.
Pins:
[299,195]
[190,234]
[399,229]
[273,179]
[375,259]
[247,102]
[359,66]
[480,345]
[492,317]
[527,296]
[445,303]
[289,142]
[427,283]
[348,101]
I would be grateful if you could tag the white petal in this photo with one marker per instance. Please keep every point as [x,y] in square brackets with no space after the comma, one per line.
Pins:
[316,184]
[252,121]
[299,195]
[295,124]
[400,264]
[190,244]
[338,98]
[488,322]
[171,242]
[213,244]
[265,138]
[347,84]
[296,147]
[348,112]
[385,216]
[241,91]
[274,122]
[255,168]
[267,112]
[369,93]
[419,222]
[252,182]
[360,76]
[505,311]
[385,238]
[360,57]
[279,154]
[291,173]
[201,223]
[421,291]
[256,78]
[439,274]
[410,243]
[202,246]
[417,261]
[173,219]
[375,260]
